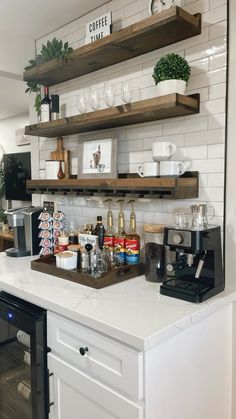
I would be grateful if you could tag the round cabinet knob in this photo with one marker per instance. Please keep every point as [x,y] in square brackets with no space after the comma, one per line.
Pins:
[83,351]
[178,238]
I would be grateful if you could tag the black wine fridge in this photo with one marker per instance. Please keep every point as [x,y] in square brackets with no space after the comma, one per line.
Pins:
[23,360]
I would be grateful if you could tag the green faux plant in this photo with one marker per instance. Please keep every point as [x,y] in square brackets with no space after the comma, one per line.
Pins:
[171,67]
[52,49]
[3,217]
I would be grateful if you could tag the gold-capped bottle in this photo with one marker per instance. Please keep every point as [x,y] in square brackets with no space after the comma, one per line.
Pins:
[109,234]
[120,237]
[132,246]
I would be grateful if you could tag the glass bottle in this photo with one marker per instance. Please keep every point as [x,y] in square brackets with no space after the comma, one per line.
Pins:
[99,231]
[45,106]
[132,246]
[120,237]
[109,235]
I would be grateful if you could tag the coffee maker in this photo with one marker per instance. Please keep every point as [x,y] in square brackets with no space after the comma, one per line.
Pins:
[194,263]
[24,222]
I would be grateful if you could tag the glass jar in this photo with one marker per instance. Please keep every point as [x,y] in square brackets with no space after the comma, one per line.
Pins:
[154,252]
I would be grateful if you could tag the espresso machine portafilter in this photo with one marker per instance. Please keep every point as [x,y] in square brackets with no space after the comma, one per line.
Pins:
[194,263]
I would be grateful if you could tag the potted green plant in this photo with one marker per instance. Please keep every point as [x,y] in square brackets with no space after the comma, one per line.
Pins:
[3,221]
[171,74]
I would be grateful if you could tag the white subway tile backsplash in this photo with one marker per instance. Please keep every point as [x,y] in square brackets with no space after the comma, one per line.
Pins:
[218,61]
[217,91]
[208,165]
[195,6]
[197,152]
[204,137]
[140,157]
[214,15]
[213,107]
[216,151]
[216,121]
[218,30]
[216,3]
[206,49]
[215,180]
[187,125]
[199,138]
[211,194]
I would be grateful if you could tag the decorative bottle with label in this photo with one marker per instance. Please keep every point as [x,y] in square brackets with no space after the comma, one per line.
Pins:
[109,235]
[132,246]
[120,237]
[99,231]
[45,106]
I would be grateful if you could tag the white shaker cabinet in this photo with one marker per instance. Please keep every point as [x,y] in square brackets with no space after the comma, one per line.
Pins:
[93,376]
[186,376]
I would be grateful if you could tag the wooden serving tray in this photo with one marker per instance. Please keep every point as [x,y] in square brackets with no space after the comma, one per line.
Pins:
[47,265]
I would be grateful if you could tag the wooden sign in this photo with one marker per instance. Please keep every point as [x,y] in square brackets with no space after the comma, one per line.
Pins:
[98,28]
[21,137]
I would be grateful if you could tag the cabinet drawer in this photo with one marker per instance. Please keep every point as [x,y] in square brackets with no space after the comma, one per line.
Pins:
[108,361]
[77,396]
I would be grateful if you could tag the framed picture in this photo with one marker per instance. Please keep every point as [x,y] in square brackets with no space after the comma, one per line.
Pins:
[98,158]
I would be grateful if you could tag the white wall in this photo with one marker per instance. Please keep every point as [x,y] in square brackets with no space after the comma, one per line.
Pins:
[199,138]
[7,133]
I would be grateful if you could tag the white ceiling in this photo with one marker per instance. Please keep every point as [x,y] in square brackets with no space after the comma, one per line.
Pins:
[21,22]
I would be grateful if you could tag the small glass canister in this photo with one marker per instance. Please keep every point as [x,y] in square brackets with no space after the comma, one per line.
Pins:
[154,252]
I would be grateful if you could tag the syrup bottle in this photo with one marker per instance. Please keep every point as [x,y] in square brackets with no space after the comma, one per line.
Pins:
[120,237]
[132,246]
[109,235]
[99,231]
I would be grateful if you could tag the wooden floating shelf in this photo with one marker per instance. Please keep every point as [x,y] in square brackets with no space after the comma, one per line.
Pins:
[169,106]
[158,31]
[161,188]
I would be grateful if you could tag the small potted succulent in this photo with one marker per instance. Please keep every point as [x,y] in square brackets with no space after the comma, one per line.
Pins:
[171,74]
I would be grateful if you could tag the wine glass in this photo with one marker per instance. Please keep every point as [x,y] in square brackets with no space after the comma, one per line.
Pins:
[81,102]
[94,98]
[126,92]
[108,95]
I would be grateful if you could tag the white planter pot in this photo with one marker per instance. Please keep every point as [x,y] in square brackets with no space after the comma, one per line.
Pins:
[166,87]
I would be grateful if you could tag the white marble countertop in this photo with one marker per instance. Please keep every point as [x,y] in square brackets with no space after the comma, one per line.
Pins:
[132,311]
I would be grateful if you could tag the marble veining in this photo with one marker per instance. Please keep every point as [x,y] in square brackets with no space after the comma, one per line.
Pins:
[132,311]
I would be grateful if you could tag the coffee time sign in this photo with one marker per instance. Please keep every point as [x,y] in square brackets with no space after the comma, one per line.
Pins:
[98,28]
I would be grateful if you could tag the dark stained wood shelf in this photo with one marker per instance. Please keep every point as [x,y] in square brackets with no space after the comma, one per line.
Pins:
[169,106]
[160,30]
[182,187]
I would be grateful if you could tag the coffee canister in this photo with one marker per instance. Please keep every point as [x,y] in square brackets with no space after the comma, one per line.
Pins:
[154,252]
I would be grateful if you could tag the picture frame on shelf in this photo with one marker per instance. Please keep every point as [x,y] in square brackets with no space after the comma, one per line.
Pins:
[97,157]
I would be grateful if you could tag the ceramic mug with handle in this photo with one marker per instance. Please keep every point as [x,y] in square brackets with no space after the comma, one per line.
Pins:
[172,168]
[163,150]
[150,169]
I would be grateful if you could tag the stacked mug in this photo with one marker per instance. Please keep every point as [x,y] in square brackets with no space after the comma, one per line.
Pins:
[162,166]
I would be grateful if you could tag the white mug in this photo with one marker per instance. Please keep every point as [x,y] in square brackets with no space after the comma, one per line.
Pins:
[172,168]
[52,168]
[163,150]
[150,169]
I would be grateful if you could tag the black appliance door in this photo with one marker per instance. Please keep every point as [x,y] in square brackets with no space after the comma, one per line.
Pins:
[23,369]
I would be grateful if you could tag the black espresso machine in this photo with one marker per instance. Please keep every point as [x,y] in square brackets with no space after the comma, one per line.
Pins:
[194,263]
